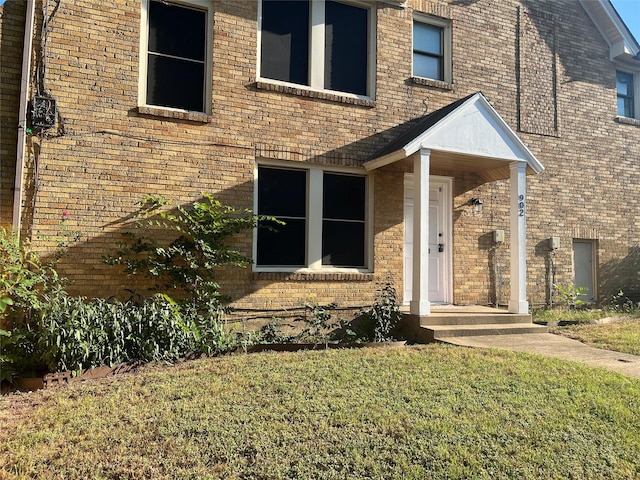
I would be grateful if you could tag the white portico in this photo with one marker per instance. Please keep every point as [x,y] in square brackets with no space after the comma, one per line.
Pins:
[467,135]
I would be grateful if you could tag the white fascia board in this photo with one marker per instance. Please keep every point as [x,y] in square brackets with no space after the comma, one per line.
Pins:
[387,159]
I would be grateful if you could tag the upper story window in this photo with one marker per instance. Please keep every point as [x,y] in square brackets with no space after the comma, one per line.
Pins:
[325,216]
[432,49]
[176,52]
[626,96]
[321,44]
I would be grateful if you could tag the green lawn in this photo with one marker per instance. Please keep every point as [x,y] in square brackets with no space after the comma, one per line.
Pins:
[411,413]
[620,336]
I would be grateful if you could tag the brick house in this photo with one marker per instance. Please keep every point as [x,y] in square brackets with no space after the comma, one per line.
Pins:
[477,152]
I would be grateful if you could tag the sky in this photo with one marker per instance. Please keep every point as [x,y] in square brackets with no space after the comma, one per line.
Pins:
[629,10]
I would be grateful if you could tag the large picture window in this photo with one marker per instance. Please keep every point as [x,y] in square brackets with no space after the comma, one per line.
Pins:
[176,55]
[324,214]
[333,55]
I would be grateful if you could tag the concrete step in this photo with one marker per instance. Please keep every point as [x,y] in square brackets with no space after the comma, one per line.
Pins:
[474,319]
[441,332]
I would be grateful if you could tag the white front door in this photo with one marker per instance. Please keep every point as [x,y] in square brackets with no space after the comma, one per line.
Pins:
[439,239]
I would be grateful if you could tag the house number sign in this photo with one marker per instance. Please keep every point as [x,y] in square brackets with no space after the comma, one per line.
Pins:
[521,205]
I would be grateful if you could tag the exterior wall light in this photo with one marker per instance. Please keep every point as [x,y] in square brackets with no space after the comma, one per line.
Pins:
[477,205]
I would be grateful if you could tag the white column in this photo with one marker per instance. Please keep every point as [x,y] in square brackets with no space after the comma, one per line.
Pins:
[518,301]
[419,304]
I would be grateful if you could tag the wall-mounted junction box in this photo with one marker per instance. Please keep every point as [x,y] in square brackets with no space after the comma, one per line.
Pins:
[498,236]
[554,243]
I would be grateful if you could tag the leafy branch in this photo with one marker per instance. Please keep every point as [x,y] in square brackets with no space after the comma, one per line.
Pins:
[200,243]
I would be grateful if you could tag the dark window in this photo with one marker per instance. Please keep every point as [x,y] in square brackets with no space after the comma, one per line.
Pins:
[282,193]
[176,56]
[345,51]
[285,41]
[428,51]
[624,87]
[343,220]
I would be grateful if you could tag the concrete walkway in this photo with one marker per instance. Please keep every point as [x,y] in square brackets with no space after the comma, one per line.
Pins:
[555,346]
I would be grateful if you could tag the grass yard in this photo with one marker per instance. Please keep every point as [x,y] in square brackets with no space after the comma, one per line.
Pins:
[621,335]
[419,412]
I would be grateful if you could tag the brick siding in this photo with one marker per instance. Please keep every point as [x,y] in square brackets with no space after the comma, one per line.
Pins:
[113,152]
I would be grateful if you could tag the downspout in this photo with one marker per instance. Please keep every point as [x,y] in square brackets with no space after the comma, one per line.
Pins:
[22,115]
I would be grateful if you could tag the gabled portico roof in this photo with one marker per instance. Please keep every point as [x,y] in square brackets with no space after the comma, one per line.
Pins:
[467,134]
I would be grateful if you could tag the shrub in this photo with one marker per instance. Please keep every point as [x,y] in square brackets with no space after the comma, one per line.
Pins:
[272,333]
[24,279]
[383,316]
[620,303]
[570,295]
[74,333]
[17,353]
[199,244]
[317,324]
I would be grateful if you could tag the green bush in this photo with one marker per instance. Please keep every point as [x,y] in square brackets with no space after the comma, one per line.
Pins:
[620,303]
[383,316]
[317,324]
[570,295]
[74,333]
[198,243]
[17,353]
[24,279]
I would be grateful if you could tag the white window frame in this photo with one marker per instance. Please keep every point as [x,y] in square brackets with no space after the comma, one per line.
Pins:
[445,25]
[636,92]
[314,218]
[144,53]
[317,54]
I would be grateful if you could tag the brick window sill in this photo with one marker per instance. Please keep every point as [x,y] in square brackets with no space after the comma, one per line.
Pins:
[175,114]
[628,121]
[313,277]
[303,92]
[427,82]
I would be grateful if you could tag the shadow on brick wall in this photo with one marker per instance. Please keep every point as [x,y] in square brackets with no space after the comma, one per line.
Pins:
[623,274]
[565,22]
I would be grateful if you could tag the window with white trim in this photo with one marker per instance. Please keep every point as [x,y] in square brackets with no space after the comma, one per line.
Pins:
[320,44]
[176,52]
[324,214]
[432,49]
[626,94]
